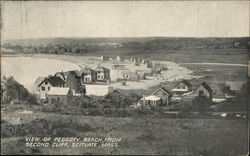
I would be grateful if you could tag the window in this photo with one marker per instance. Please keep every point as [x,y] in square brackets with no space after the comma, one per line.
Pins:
[160,93]
[43,88]
[58,99]
[46,82]
[178,87]
[183,86]
[201,92]
[48,88]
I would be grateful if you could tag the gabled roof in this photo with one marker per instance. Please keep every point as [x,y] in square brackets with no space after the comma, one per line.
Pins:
[86,71]
[163,89]
[58,91]
[187,83]
[53,80]
[101,69]
[206,87]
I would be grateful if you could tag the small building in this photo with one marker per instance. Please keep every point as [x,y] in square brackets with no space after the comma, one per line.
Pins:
[97,89]
[233,88]
[87,76]
[59,95]
[47,83]
[120,58]
[103,74]
[104,58]
[204,90]
[160,97]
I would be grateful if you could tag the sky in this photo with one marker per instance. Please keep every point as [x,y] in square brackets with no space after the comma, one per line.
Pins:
[45,19]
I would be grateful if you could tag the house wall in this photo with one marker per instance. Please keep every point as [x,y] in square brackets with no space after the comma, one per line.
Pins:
[206,93]
[100,76]
[182,87]
[98,90]
[165,99]
[43,93]
[57,98]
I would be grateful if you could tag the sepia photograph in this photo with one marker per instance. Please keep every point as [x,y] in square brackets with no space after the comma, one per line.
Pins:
[125,77]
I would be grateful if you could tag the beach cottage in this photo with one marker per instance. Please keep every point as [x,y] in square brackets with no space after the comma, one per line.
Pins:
[160,97]
[47,83]
[103,74]
[59,95]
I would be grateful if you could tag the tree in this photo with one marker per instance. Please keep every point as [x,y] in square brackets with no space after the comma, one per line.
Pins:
[12,90]
[201,103]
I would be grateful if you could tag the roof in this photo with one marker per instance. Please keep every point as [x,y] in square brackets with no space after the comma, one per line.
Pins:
[151,97]
[186,82]
[53,80]
[86,71]
[164,89]
[235,85]
[58,91]
[101,69]
[206,87]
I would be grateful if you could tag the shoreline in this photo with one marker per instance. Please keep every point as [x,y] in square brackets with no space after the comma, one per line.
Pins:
[69,59]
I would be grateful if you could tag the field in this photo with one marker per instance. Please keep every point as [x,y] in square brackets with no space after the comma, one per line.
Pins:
[147,135]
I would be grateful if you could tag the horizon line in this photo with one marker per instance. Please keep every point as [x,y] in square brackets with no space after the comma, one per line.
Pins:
[127,37]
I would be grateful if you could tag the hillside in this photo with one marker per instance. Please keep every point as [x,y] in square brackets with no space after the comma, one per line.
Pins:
[143,42]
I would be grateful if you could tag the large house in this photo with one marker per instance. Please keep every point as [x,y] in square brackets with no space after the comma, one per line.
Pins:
[159,97]
[103,74]
[204,90]
[59,95]
[181,88]
[87,76]
[47,83]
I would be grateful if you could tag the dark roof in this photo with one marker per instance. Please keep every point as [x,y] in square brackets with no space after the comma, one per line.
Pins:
[186,82]
[53,80]
[72,72]
[206,87]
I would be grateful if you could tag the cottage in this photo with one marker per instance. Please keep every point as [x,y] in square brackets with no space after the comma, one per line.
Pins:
[104,58]
[97,89]
[204,90]
[47,83]
[87,76]
[59,95]
[120,58]
[118,74]
[160,97]
[103,74]
[182,87]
